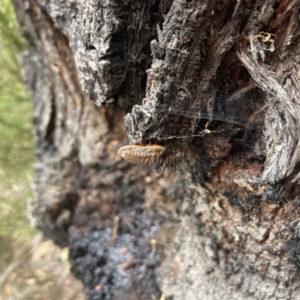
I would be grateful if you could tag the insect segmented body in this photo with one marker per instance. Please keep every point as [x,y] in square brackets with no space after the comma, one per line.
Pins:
[141,154]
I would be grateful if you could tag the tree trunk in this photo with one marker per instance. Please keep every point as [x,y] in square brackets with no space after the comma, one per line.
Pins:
[215,83]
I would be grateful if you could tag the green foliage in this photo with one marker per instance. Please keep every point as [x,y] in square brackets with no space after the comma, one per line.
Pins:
[16,145]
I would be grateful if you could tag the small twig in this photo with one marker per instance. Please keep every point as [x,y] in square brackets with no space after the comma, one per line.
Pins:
[115,229]
[153,244]
[162,297]
[129,263]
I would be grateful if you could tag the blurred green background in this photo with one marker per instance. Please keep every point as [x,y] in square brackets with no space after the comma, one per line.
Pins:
[30,268]
[16,142]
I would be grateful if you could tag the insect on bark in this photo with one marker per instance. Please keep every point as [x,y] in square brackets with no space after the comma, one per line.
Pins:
[141,154]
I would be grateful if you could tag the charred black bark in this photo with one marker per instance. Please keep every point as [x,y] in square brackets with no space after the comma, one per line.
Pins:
[216,84]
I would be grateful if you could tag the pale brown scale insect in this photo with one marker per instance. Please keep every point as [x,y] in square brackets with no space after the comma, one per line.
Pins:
[141,154]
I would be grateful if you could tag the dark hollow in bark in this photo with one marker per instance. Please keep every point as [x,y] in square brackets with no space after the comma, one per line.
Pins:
[213,82]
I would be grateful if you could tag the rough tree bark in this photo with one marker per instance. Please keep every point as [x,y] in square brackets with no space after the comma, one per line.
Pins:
[216,84]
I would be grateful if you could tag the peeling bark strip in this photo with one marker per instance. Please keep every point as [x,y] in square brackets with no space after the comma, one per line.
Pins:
[203,92]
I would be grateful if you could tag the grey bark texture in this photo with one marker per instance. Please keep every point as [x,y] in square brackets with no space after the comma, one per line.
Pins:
[216,83]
